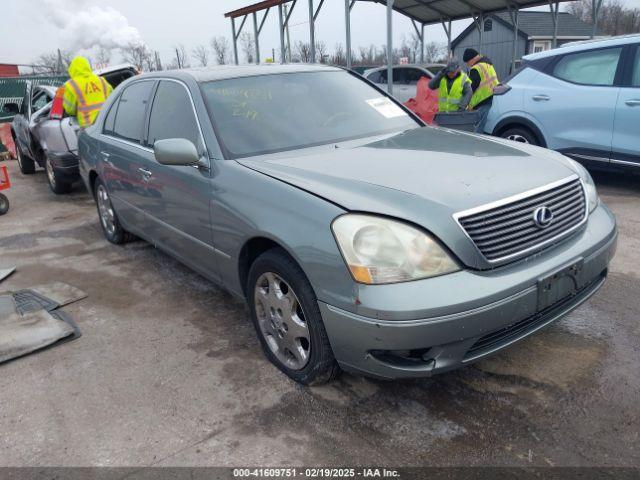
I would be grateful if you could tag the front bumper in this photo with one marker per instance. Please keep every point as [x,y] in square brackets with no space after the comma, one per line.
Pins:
[378,345]
[65,165]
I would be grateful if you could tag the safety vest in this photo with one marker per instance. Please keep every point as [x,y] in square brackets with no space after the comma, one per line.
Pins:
[488,81]
[449,101]
[84,97]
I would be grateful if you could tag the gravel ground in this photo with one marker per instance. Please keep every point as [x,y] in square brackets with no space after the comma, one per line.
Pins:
[169,371]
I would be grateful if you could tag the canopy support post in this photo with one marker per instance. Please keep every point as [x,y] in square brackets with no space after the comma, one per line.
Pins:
[390,46]
[447,30]
[347,20]
[513,14]
[596,5]
[235,40]
[312,32]
[555,7]
[256,34]
[281,25]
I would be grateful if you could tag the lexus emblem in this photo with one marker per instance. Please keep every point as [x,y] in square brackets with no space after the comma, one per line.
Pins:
[542,217]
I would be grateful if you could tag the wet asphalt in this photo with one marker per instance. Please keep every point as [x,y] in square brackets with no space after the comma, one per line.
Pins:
[169,371]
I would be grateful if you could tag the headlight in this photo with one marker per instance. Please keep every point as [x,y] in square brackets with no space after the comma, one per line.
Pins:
[589,186]
[378,250]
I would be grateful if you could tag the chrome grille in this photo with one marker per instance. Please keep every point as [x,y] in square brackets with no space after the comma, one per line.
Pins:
[507,230]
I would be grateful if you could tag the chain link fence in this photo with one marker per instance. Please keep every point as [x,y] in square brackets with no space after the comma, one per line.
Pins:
[12,89]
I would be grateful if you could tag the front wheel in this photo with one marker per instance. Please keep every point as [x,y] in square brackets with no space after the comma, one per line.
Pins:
[57,185]
[26,164]
[520,135]
[287,319]
[111,226]
[4,204]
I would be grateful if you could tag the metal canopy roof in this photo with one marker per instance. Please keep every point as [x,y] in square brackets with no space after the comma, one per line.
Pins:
[424,11]
[435,11]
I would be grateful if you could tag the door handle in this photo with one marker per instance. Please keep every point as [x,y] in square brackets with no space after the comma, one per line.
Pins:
[145,173]
[105,154]
[633,103]
[541,98]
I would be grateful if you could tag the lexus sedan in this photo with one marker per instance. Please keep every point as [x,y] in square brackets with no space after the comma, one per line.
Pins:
[360,238]
[582,99]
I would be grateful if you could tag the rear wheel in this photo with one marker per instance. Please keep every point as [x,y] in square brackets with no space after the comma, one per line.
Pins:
[111,226]
[520,135]
[287,319]
[4,204]
[57,185]
[26,164]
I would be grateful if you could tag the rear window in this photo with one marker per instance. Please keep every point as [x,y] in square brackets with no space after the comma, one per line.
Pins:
[274,113]
[597,67]
[129,116]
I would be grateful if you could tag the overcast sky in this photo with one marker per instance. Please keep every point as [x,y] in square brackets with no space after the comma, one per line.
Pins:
[29,30]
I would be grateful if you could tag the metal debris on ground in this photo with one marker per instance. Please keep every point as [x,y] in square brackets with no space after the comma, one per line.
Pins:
[4,273]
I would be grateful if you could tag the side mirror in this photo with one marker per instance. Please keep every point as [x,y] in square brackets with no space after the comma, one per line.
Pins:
[176,151]
[11,108]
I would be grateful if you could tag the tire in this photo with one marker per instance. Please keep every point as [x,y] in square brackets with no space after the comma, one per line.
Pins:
[57,185]
[109,222]
[26,164]
[275,283]
[4,204]
[521,135]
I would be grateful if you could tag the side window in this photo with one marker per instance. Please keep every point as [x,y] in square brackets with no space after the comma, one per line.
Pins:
[39,101]
[400,76]
[374,77]
[111,117]
[129,119]
[414,75]
[635,75]
[596,67]
[379,77]
[172,114]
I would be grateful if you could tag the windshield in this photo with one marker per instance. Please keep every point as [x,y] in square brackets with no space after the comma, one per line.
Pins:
[273,113]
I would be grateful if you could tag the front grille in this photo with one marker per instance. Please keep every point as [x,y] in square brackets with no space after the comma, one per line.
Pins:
[504,336]
[509,230]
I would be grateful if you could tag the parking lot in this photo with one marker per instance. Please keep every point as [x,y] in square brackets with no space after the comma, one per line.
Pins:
[169,370]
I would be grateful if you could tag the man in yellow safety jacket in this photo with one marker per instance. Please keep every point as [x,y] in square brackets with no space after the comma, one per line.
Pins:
[85,92]
[483,80]
[454,88]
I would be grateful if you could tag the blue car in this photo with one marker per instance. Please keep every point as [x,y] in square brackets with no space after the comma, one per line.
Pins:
[582,100]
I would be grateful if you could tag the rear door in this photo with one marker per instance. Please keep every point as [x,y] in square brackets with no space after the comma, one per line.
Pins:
[626,129]
[21,121]
[574,102]
[124,158]
[179,215]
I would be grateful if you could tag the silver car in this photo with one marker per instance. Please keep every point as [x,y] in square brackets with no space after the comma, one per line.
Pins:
[360,238]
[49,142]
[405,78]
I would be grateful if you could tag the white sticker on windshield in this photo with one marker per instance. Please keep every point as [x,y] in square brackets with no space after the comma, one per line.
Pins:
[386,107]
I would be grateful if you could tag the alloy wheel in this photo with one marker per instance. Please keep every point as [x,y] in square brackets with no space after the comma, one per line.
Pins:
[517,138]
[50,173]
[282,321]
[107,215]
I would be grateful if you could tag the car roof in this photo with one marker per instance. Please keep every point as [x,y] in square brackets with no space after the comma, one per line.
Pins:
[225,72]
[586,45]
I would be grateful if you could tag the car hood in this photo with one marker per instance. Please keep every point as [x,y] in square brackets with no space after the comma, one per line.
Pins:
[423,176]
[452,169]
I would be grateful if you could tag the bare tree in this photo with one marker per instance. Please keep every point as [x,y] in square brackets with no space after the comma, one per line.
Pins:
[339,57]
[201,55]
[322,54]
[220,47]
[434,52]
[181,58]
[103,56]
[56,62]
[302,51]
[248,46]
[614,17]
[137,54]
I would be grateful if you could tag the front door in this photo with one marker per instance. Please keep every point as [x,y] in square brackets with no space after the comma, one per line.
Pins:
[124,156]
[574,103]
[179,210]
[626,130]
